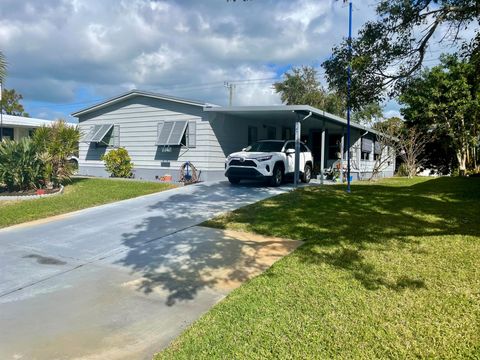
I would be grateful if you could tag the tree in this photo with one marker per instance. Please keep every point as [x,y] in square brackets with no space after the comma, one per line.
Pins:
[11,103]
[392,49]
[369,115]
[445,102]
[395,138]
[3,67]
[301,87]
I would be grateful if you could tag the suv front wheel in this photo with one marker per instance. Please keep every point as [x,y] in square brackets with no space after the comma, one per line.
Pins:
[277,176]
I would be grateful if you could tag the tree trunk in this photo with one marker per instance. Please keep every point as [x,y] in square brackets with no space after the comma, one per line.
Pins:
[462,162]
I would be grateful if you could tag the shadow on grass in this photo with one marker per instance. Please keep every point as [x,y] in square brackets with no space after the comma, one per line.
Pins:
[342,225]
[336,227]
[353,261]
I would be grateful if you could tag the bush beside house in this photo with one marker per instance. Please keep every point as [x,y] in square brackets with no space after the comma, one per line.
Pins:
[118,163]
[20,166]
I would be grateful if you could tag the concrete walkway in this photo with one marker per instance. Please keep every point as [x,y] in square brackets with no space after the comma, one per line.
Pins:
[120,281]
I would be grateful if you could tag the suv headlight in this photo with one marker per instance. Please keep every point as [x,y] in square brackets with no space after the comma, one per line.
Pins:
[264,158]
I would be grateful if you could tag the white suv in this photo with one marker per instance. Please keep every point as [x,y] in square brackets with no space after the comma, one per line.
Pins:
[271,160]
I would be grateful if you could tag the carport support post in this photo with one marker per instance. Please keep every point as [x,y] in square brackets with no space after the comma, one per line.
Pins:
[298,130]
[322,155]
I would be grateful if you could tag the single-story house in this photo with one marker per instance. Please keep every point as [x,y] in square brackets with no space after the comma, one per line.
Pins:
[163,132]
[17,127]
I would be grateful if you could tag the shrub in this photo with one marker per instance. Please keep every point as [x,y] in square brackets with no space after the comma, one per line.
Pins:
[55,144]
[20,166]
[118,163]
[403,170]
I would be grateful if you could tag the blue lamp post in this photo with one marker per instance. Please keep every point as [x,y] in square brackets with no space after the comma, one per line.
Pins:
[349,70]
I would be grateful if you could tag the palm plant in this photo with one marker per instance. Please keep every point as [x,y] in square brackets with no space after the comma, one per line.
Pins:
[20,166]
[56,143]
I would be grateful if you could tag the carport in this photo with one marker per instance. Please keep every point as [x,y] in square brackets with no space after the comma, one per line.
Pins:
[323,132]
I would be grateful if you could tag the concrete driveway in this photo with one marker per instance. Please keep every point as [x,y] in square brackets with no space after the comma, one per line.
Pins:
[120,281]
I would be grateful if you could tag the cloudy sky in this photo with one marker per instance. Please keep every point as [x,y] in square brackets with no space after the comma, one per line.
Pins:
[64,55]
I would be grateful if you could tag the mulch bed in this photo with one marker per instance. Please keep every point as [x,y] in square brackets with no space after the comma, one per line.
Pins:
[4,192]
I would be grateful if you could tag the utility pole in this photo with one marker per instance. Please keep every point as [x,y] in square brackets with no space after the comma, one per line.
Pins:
[349,81]
[231,89]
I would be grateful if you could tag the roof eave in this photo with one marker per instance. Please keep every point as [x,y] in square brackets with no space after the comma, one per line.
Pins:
[305,108]
[131,94]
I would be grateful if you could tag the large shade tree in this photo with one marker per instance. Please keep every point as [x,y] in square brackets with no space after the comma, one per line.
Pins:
[300,86]
[392,49]
[445,102]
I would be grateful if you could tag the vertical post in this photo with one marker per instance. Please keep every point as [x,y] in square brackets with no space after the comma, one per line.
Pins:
[348,90]
[322,155]
[342,145]
[359,158]
[232,87]
[298,129]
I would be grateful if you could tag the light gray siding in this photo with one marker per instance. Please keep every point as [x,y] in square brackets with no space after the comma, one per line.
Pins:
[137,122]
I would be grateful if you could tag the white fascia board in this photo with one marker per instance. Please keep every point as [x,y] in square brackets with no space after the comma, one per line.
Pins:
[132,94]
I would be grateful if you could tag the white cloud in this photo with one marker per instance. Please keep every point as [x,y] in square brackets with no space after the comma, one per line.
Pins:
[58,49]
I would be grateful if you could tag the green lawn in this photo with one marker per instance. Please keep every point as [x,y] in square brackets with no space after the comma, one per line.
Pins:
[81,193]
[391,270]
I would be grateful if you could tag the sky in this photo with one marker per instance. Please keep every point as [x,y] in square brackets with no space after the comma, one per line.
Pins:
[65,55]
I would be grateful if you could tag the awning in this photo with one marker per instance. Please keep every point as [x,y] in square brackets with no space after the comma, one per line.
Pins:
[170,133]
[97,133]
[284,112]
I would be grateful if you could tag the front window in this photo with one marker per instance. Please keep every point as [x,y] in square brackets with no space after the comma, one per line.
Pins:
[265,146]
[7,133]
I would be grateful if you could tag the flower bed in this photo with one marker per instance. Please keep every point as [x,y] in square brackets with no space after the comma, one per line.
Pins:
[30,194]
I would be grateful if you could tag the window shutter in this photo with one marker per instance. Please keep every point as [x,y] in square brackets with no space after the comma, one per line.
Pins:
[91,133]
[159,130]
[116,136]
[177,133]
[192,134]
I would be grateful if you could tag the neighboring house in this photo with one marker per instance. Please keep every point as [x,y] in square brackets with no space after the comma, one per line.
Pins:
[162,132]
[17,127]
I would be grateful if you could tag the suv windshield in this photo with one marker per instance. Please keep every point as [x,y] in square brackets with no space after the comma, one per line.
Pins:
[265,146]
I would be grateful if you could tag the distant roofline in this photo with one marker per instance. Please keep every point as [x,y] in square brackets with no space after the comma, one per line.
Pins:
[134,93]
[22,121]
